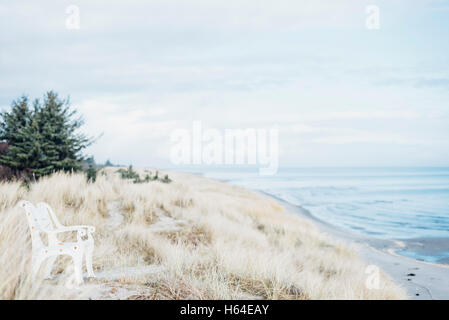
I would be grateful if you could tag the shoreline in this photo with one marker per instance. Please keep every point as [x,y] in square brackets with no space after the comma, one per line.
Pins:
[421,279]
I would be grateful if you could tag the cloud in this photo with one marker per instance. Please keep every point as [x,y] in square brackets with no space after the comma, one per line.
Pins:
[124,123]
[138,70]
[366,137]
[421,82]
[433,83]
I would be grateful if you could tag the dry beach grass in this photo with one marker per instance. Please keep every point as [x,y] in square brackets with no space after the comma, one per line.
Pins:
[193,238]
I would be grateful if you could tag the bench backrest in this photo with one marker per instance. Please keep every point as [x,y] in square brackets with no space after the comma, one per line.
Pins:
[38,221]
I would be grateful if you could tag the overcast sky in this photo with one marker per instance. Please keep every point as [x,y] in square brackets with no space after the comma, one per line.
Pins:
[340,93]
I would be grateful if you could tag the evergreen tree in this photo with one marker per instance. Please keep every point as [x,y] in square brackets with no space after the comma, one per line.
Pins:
[61,144]
[42,140]
[19,129]
[15,120]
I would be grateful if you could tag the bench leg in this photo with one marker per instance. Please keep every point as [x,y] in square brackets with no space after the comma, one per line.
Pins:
[89,253]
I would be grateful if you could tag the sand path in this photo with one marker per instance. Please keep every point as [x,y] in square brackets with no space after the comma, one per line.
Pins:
[115,215]
[110,284]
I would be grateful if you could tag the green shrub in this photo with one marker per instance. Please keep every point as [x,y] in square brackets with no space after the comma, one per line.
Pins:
[128,173]
[133,175]
[91,174]
[166,179]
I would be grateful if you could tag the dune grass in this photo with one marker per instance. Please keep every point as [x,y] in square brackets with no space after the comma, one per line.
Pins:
[212,241]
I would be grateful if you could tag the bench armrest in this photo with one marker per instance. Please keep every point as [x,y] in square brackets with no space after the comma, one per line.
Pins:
[90,229]
[82,230]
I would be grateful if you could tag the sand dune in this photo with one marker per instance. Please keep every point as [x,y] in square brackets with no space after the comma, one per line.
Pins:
[193,238]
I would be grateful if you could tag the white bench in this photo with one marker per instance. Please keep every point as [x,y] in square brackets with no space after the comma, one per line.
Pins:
[42,219]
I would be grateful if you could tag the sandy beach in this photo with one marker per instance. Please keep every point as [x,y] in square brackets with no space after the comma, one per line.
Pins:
[422,280]
[200,238]
[192,238]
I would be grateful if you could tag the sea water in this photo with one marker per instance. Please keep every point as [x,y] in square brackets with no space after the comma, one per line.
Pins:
[388,203]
